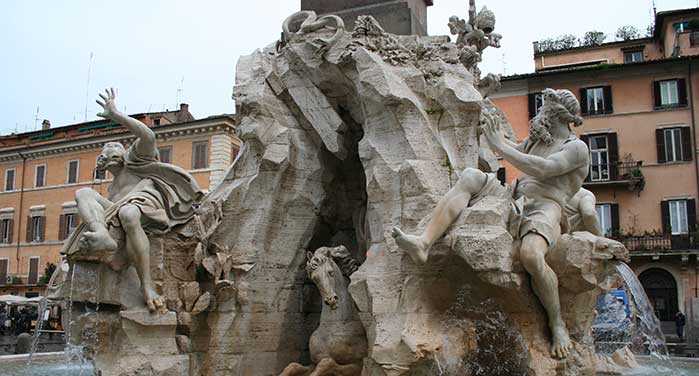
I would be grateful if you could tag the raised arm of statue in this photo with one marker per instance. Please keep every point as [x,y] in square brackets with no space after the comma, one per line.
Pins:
[146,143]
[573,155]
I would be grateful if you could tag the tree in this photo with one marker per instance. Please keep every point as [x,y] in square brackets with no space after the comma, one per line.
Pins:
[48,272]
[567,41]
[627,33]
[650,30]
[593,38]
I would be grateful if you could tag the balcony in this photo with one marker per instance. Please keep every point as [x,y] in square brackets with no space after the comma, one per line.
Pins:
[659,244]
[626,174]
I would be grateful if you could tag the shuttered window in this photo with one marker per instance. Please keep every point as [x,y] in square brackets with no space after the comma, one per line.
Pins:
[40,175]
[4,269]
[596,100]
[165,154]
[6,230]
[9,180]
[73,171]
[670,93]
[36,229]
[33,271]
[673,144]
[604,156]
[679,217]
[200,155]
[66,224]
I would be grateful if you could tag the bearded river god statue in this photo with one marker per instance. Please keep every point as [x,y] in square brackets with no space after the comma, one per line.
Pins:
[554,163]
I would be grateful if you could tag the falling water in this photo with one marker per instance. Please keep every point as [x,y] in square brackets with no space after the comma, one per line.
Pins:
[43,304]
[650,325]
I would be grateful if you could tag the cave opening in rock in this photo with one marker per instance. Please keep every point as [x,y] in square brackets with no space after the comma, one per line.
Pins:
[342,215]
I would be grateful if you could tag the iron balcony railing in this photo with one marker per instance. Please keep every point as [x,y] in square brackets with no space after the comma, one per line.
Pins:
[658,243]
[626,173]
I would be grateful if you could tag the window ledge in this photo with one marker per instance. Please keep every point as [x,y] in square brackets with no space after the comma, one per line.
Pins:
[670,108]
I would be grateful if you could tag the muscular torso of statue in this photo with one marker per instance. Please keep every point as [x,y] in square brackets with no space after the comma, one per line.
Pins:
[559,189]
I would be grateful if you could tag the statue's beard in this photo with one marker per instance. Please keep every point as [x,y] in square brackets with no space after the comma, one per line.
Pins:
[539,128]
[103,162]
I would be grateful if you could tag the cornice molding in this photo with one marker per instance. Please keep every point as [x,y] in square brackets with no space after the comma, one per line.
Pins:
[173,131]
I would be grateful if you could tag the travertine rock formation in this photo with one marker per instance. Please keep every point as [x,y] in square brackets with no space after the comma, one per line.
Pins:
[344,141]
[347,134]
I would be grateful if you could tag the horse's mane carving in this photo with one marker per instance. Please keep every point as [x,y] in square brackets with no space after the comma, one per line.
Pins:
[340,255]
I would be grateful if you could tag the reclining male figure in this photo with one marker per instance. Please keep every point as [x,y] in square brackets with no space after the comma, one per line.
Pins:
[554,164]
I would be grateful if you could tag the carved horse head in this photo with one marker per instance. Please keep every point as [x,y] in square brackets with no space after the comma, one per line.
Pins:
[327,267]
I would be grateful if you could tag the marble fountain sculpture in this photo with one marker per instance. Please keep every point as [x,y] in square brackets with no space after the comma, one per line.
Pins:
[360,231]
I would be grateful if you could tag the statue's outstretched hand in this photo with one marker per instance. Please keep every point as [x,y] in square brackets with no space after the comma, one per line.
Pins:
[490,125]
[108,104]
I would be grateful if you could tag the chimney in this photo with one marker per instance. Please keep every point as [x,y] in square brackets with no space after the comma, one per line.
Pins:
[183,114]
[46,124]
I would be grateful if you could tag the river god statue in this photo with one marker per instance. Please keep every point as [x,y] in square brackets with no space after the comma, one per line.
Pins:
[554,164]
[146,197]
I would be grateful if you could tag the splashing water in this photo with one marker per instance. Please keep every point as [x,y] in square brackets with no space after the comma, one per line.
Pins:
[650,325]
[41,311]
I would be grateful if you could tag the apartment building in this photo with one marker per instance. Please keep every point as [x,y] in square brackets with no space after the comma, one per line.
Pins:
[639,100]
[42,169]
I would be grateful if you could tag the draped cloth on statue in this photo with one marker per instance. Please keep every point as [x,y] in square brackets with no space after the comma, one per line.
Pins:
[167,196]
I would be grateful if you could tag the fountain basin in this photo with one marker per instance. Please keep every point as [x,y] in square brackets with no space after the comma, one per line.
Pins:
[43,364]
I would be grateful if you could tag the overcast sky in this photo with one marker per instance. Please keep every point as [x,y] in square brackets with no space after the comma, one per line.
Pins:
[159,52]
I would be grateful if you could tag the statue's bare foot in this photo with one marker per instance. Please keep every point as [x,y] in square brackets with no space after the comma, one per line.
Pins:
[98,240]
[325,367]
[153,300]
[414,245]
[561,342]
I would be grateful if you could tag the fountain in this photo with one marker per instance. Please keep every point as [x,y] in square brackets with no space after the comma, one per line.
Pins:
[346,136]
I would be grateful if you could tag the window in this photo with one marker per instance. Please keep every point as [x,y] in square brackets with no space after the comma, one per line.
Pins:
[694,39]
[33,278]
[156,121]
[37,228]
[681,27]
[596,100]
[678,217]
[9,179]
[536,101]
[165,154]
[4,268]
[73,171]
[599,158]
[633,56]
[670,93]
[200,155]
[66,224]
[6,230]
[674,144]
[39,175]
[604,215]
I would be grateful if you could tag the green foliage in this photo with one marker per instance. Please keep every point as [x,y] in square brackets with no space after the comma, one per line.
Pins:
[48,272]
[593,38]
[627,33]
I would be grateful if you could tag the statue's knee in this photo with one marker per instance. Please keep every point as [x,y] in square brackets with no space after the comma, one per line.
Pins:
[130,215]
[531,257]
[471,180]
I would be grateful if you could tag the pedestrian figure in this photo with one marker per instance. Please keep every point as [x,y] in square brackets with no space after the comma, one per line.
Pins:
[680,321]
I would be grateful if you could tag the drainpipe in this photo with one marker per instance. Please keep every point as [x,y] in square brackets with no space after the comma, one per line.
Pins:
[21,204]
[696,163]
